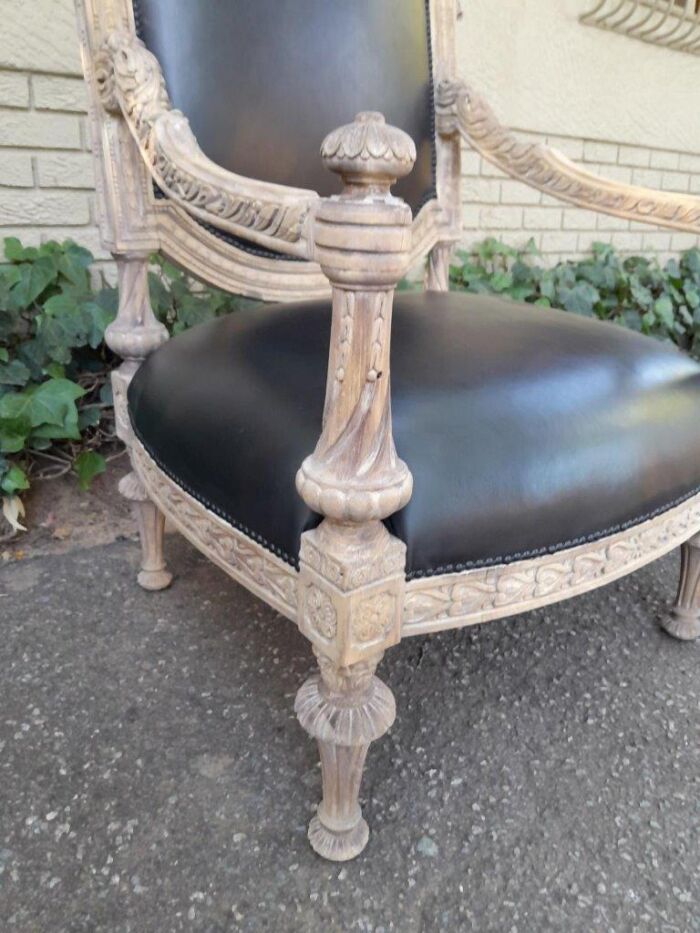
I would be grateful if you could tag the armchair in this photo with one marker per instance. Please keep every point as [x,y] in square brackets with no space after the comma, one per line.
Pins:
[533,455]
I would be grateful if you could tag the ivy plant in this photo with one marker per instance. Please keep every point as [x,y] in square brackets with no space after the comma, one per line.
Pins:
[635,292]
[55,399]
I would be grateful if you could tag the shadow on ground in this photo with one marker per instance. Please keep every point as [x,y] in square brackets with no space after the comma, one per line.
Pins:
[543,773]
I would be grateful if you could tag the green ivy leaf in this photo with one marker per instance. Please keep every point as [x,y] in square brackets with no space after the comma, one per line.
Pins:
[15,480]
[663,309]
[86,466]
[15,252]
[51,403]
[33,279]
[14,373]
[13,434]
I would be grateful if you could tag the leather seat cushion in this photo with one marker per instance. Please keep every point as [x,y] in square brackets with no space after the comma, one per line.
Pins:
[527,430]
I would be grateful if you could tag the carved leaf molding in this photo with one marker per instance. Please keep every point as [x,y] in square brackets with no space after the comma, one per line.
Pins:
[240,556]
[130,83]
[473,596]
[460,109]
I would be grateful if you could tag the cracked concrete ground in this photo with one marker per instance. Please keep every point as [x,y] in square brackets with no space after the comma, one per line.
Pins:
[543,773]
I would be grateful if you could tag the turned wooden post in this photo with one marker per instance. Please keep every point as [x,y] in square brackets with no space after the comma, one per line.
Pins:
[134,334]
[352,571]
[684,621]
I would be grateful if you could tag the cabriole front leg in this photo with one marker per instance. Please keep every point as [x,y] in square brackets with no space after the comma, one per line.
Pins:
[344,709]
[684,620]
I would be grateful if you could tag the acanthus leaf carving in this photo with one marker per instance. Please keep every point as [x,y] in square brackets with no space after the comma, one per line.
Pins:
[461,109]
[130,82]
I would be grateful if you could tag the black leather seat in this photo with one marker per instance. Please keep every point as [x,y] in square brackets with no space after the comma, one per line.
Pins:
[526,430]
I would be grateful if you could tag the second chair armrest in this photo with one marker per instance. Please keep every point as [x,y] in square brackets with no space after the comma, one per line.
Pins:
[461,110]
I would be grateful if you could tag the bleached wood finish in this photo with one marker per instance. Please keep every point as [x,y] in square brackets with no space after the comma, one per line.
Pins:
[435,604]
[454,600]
[138,138]
[133,335]
[349,597]
[352,571]
[684,621]
[460,110]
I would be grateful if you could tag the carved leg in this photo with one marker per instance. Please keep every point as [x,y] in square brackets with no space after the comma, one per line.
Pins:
[684,620]
[437,276]
[151,521]
[344,709]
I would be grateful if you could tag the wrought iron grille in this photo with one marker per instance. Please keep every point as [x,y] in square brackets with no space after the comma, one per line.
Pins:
[671,23]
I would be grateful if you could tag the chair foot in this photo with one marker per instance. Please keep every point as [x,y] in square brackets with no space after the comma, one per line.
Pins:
[344,709]
[682,627]
[153,574]
[684,620]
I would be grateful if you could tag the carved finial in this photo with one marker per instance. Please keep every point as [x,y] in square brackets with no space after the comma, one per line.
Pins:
[368,154]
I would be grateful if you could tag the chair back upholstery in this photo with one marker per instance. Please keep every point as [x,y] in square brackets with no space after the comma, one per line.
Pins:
[262,82]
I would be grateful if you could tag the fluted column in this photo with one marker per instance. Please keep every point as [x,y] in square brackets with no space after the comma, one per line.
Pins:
[684,620]
[133,335]
[352,571]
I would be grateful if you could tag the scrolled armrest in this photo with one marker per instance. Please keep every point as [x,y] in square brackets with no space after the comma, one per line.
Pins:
[131,85]
[461,110]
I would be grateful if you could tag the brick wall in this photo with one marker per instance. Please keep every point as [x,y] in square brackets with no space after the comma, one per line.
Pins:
[46,174]
[495,205]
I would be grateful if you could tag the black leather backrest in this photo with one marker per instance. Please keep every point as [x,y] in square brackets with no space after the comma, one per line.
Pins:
[263,81]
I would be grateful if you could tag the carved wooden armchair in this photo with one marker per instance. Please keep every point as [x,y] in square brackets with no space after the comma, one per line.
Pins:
[542,454]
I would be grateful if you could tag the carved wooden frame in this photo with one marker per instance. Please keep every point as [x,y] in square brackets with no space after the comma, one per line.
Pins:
[138,138]
[350,596]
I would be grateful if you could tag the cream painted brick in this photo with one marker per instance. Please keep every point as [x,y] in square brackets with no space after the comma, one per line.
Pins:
[578,219]
[501,218]
[16,169]
[470,217]
[688,162]
[54,93]
[619,173]
[88,236]
[634,156]
[39,130]
[627,242]
[599,152]
[39,34]
[542,218]
[490,171]
[517,192]
[608,222]
[661,159]
[65,170]
[675,181]
[656,241]
[681,241]
[586,241]
[695,184]
[481,191]
[572,148]
[28,236]
[14,90]
[43,208]
[650,178]
[559,242]
[471,162]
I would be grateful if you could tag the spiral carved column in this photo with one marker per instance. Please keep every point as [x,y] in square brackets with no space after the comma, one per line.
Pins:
[352,571]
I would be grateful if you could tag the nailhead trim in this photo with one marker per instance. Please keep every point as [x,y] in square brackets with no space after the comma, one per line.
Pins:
[419,574]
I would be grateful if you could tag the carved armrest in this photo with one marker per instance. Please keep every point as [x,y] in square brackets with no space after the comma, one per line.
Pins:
[131,85]
[460,110]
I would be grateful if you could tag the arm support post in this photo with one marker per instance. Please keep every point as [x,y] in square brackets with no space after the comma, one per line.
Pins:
[133,335]
[352,571]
